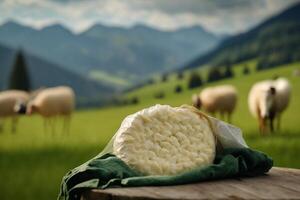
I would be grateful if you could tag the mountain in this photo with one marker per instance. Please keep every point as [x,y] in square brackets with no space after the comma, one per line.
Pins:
[142,50]
[45,74]
[273,42]
[54,43]
[127,53]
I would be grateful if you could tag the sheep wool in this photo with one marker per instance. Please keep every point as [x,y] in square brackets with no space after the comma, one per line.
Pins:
[219,98]
[283,94]
[55,101]
[259,98]
[165,140]
[8,100]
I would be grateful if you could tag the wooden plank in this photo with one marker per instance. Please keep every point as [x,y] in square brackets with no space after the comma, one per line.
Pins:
[279,183]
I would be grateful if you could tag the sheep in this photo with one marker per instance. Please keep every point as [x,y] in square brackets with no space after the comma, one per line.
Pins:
[220,99]
[282,97]
[267,100]
[51,103]
[296,72]
[8,100]
[261,102]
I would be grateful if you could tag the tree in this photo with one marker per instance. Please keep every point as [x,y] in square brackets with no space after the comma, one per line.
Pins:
[195,80]
[164,77]
[246,70]
[150,81]
[263,63]
[214,74]
[178,89]
[159,95]
[19,77]
[228,72]
[180,75]
[135,100]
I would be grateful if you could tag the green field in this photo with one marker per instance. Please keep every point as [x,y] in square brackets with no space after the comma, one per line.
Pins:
[32,162]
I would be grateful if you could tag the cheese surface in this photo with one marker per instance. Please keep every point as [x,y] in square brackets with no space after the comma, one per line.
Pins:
[162,140]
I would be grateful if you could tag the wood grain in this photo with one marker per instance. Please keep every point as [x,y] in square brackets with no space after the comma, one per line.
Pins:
[279,183]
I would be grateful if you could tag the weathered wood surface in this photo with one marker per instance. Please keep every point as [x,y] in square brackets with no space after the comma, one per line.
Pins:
[279,183]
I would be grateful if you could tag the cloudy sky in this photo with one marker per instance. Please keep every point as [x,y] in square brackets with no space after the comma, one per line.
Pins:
[219,16]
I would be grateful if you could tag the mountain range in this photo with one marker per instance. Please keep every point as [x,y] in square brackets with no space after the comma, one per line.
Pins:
[46,74]
[129,54]
[273,42]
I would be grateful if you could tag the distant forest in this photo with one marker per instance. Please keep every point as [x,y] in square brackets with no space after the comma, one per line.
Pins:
[278,44]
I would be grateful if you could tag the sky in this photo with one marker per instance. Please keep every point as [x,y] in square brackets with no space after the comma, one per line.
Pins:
[218,16]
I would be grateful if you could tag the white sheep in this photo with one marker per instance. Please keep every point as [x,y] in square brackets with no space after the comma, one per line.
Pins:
[219,99]
[51,103]
[296,72]
[267,100]
[8,100]
[261,102]
[282,97]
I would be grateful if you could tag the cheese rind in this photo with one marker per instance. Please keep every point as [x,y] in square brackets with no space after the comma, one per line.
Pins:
[162,140]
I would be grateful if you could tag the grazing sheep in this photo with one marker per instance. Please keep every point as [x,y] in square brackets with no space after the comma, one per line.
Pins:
[296,72]
[51,103]
[220,99]
[8,100]
[267,100]
[282,97]
[261,102]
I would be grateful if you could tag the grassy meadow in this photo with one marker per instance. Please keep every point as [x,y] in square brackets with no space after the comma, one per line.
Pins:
[33,162]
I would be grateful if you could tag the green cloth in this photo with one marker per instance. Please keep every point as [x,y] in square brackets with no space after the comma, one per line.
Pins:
[109,171]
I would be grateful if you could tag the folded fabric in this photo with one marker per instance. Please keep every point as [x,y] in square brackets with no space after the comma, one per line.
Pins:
[109,171]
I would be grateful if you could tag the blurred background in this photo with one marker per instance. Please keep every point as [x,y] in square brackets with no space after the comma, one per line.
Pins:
[119,56]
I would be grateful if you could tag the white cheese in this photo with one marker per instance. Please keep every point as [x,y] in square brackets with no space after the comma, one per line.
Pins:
[162,140]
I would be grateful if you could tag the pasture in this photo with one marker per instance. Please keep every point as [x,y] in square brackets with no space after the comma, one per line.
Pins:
[32,162]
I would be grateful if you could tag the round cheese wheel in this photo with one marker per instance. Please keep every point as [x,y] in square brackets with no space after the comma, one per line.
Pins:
[162,140]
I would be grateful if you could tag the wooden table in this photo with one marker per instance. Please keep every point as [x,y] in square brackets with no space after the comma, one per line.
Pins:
[279,183]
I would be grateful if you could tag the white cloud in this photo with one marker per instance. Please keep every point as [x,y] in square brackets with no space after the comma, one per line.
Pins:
[216,15]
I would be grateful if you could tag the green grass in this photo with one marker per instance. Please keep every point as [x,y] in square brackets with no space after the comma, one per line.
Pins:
[32,162]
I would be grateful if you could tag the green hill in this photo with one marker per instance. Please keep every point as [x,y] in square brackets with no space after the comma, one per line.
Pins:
[282,145]
[49,156]
[274,42]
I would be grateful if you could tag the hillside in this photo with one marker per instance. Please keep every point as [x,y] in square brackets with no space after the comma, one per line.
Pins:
[275,41]
[243,83]
[281,146]
[43,73]
[126,53]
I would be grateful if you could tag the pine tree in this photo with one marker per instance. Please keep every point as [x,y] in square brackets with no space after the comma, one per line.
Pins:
[214,74]
[246,70]
[19,77]
[195,80]
[178,89]
[164,77]
[180,75]
[228,72]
